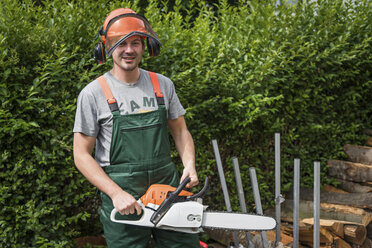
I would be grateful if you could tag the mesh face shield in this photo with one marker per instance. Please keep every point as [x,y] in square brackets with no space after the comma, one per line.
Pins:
[123,26]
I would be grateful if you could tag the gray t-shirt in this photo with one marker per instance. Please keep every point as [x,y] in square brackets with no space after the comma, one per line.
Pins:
[93,116]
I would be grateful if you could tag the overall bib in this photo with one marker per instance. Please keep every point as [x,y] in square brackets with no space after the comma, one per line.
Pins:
[139,157]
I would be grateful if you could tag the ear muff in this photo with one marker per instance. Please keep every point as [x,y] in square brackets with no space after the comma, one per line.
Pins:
[99,49]
[100,53]
[153,46]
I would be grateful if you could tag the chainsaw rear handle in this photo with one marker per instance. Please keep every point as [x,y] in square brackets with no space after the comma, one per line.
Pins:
[143,221]
[167,203]
[181,186]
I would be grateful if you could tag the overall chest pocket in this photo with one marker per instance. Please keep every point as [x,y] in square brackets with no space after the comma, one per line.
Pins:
[141,143]
[146,142]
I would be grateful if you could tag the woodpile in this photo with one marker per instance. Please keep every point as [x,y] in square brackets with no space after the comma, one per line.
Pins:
[346,211]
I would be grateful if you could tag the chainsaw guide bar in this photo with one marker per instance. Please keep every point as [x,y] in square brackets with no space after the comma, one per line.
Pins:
[236,221]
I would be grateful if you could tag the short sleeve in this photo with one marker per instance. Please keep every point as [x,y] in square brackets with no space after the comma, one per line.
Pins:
[86,120]
[175,107]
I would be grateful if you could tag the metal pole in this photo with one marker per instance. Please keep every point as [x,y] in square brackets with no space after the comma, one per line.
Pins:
[257,200]
[316,204]
[243,207]
[224,186]
[278,196]
[296,203]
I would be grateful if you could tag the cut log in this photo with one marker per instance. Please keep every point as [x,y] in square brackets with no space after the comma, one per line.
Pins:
[359,154]
[369,142]
[352,187]
[306,234]
[369,231]
[349,171]
[327,211]
[286,239]
[257,242]
[367,244]
[222,236]
[369,184]
[355,234]
[330,188]
[358,200]
[325,236]
[346,213]
[340,243]
[334,226]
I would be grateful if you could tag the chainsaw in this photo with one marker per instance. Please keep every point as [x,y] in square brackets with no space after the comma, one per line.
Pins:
[170,208]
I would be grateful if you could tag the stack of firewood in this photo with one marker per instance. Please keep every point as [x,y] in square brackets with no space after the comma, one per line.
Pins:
[345,214]
[346,211]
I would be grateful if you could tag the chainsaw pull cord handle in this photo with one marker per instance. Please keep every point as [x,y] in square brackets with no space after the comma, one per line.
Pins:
[167,203]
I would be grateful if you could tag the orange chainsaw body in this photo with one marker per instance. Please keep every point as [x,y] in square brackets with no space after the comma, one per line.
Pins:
[157,193]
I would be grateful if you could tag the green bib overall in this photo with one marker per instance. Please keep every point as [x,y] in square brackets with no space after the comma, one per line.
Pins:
[139,157]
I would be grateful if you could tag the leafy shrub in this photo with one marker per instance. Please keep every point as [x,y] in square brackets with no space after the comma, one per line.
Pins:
[242,72]
[245,72]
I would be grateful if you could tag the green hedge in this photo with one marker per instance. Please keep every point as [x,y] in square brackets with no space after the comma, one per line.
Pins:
[242,72]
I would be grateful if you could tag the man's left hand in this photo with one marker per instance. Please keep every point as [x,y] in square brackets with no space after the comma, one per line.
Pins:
[190,172]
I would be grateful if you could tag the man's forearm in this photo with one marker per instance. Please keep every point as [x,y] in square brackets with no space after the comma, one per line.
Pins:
[96,175]
[123,202]
[185,147]
[87,165]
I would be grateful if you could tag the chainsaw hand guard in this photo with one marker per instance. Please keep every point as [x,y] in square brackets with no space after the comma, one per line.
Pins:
[167,203]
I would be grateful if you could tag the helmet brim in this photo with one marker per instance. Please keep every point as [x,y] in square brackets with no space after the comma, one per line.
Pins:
[122,39]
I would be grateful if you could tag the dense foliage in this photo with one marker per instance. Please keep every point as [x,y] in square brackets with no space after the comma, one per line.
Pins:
[242,72]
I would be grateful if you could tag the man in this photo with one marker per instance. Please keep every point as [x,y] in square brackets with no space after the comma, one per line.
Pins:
[126,114]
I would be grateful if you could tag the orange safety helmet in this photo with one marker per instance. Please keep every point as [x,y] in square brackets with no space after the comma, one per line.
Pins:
[121,24]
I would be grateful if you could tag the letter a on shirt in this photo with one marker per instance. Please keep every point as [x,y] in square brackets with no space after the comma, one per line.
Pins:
[134,105]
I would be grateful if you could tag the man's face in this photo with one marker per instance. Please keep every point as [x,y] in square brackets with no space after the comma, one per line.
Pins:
[128,54]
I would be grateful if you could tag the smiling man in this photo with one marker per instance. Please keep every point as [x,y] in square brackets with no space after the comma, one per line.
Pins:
[125,114]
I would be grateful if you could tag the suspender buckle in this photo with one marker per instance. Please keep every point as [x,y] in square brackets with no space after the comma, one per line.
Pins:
[113,104]
[114,107]
[160,100]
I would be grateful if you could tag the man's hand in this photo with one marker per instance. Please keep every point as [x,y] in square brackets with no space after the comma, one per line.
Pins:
[125,203]
[190,172]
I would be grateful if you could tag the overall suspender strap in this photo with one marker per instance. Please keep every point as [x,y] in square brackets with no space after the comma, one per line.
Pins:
[155,85]
[112,101]
[108,94]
